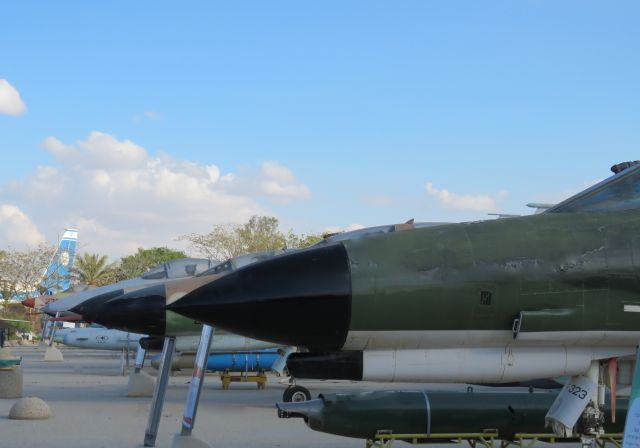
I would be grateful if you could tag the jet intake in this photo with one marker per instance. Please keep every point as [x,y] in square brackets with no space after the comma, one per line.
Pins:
[335,366]
[152,343]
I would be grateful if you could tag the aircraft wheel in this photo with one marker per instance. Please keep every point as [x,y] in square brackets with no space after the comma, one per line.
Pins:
[296,393]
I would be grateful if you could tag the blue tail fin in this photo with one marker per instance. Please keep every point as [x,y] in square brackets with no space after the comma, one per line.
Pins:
[57,277]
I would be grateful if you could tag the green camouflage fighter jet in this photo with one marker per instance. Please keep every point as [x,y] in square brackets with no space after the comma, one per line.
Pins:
[540,296]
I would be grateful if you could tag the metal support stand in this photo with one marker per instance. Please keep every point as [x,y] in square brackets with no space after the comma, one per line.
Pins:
[141,384]
[159,392]
[45,330]
[53,330]
[123,371]
[52,353]
[42,345]
[128,350]
[195,388]
[140,354]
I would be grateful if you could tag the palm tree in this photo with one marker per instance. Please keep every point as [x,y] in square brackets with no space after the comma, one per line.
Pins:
[92,269]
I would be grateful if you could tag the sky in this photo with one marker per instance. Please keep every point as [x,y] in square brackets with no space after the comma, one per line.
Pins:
[138,122]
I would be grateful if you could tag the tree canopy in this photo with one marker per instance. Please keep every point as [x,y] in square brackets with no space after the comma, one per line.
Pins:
[93,269]
[260,233]
[137,264]
[22,271]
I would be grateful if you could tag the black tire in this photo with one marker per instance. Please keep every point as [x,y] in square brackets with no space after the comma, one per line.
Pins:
[296,393]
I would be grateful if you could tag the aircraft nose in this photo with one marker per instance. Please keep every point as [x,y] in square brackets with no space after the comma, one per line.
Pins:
[139,311]
[301,298]
[88,308]
[47,309]
[30,302]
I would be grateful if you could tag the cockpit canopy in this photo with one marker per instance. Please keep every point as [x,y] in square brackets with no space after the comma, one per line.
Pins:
[239,262]
[179,268]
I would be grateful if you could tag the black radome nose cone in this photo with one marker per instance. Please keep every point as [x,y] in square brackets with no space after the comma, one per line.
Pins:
[88,309]
[141,311]
[301,299]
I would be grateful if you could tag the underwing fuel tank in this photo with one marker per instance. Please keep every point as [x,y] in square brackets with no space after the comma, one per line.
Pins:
[219,362]
[461,365]
[242,362]
[222,342]
[362,415]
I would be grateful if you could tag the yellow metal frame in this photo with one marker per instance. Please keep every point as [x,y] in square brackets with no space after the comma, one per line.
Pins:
[528,440]
[385,440]
[260,379]
[522,440]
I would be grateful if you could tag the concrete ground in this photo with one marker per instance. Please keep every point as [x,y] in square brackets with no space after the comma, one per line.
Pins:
[87,397]
[86,394]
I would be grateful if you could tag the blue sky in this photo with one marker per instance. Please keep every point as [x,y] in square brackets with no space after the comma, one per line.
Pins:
[354,106]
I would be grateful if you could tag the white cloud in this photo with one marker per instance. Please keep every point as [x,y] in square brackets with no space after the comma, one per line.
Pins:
[16,228]
[57,148]
[147,115]
[466,202]
[272,181]
[120,196]
[100,150]
[279,181]
[10,101]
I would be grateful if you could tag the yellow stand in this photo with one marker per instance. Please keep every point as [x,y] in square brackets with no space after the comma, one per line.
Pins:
[260,379]
[385,439]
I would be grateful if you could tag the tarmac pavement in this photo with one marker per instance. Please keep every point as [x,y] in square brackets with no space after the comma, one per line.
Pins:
[86,394]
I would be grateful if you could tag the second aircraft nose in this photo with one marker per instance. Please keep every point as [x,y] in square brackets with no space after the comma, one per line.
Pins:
[140,311]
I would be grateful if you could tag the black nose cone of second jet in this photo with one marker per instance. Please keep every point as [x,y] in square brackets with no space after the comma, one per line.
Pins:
[140,311]
[88,308]
[300,298]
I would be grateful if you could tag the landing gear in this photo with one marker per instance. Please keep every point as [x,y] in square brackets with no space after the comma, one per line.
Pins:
[296,393]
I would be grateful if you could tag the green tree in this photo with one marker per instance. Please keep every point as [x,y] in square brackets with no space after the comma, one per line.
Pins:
[137,264]
[21,315]
[93,269]
[302,240]
[260,233]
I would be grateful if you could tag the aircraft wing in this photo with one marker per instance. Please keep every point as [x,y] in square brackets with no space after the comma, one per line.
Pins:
[10,322]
